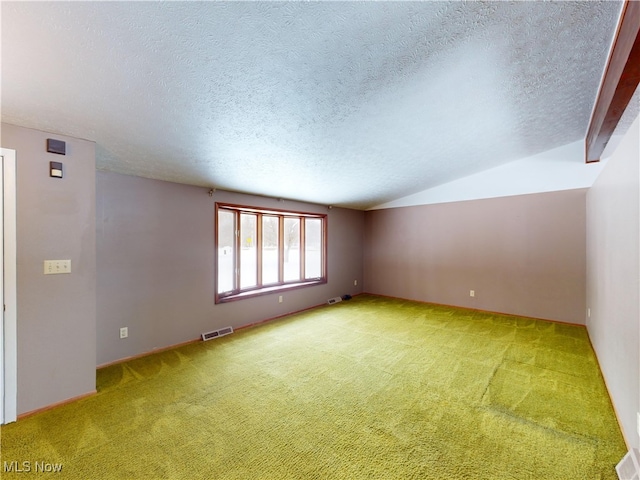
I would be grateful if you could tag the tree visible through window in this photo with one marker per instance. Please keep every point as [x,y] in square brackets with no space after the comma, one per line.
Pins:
[260,250]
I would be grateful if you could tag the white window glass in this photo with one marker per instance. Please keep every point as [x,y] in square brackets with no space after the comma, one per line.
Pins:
[291,249]
[312,248]
[248,251]
[226,246]
[270,253]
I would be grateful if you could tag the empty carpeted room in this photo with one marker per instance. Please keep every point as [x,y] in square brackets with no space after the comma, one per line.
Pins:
[320,240]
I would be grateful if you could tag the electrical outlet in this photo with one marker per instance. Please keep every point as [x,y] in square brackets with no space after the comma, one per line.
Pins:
[124,332]
[280,299]
[588,312]
[472,293]
[355,283]
[53,267]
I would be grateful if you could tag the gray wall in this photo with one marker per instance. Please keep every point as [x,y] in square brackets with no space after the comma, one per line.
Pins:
[522,255]
[155,243]
[56,313]
[613,273]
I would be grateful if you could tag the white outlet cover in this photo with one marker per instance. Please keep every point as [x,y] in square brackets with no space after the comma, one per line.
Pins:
[54,267]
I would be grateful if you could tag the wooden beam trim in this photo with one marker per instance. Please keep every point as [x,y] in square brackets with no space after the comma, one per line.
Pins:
[619,82]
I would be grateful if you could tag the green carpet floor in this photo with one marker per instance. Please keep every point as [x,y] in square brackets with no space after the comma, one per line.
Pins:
[372,388]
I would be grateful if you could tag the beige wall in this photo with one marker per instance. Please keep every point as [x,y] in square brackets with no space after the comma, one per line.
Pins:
[56,313]
[156,264]
[522,255]
[613,277]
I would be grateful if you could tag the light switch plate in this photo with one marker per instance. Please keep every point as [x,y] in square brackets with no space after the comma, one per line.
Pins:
[53,267]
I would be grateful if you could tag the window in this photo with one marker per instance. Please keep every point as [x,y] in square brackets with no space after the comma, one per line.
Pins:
[263,250]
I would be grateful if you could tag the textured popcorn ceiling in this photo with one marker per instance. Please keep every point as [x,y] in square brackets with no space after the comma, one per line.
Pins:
[350,104]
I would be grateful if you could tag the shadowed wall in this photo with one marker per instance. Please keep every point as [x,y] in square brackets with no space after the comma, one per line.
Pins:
[523,255]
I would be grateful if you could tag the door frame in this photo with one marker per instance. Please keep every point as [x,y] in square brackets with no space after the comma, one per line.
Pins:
[9,334]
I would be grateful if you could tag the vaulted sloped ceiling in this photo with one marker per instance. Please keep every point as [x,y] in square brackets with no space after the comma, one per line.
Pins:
[343,103]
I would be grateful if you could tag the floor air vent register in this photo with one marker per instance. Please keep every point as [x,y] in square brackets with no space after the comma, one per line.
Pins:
[629,466]
[221,332]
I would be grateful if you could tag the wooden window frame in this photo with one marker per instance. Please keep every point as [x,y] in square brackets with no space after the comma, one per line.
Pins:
[239,293]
